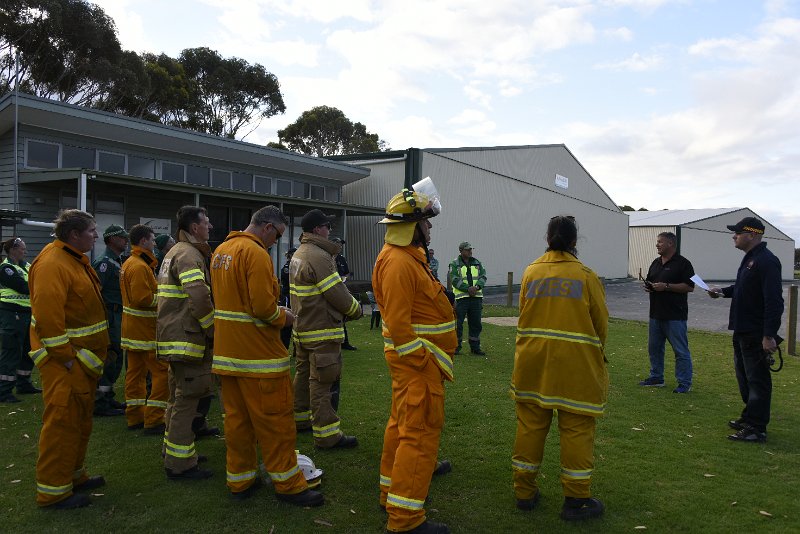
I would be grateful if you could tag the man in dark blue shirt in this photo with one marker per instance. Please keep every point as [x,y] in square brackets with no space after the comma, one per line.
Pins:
[755,317]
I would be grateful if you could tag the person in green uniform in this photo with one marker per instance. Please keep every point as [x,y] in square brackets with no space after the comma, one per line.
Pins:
[107,267]
[15,322]
[468,277]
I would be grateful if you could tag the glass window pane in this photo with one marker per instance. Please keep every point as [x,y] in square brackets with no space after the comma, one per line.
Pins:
[242,181]
[42,155]
[172,172]
[317,192]
[143,167]
[111,163]
[218,217]
[332,194]
[283,188]
[263,185]
[221,179]
[240,218]
[301,190]
[75,156]
[197,175]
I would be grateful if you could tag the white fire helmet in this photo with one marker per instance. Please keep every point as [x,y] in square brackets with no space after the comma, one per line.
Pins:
[312,475]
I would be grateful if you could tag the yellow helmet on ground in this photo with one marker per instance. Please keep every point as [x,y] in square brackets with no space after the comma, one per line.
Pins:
[403,212]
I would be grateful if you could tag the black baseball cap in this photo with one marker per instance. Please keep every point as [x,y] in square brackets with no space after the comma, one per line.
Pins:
[748,224]
[315,218]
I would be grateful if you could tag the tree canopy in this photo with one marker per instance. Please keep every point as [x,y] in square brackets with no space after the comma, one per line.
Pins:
[326,131]
[69,51]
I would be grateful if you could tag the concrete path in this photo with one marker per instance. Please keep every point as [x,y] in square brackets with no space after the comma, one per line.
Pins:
[627,300]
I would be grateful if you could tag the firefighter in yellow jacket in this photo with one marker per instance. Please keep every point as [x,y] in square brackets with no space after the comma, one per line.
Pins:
[419,343]
[139,300]
[185,334]
[321,301]
[253,363]
[69,339]
[559,365]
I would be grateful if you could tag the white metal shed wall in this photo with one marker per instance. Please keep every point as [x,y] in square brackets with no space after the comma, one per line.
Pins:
[506,221]
[642,247]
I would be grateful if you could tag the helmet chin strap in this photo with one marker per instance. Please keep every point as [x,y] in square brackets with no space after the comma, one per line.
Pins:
[421,242]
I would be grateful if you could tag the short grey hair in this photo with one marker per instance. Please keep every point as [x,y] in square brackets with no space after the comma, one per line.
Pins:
[670,237]
[268,214]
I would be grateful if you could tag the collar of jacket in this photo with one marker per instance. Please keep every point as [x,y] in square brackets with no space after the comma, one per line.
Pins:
[145,254]
[72,251]
[472,260]
[21,263]
[246,235]
[323,243]
[556,256]
[414,251]
[202,246]
[110,254]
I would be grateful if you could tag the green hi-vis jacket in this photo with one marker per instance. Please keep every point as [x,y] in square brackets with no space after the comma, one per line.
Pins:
[559,361]
[459,278]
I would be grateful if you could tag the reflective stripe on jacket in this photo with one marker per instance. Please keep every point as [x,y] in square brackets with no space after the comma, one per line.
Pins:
[248,321]
[319,298]
[559,361]
[10,296]
[417,316]
[139,302]
[459,278]
[185,322]
[69,316]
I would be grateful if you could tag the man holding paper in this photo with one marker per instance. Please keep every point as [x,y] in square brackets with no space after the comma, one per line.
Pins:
[668,281]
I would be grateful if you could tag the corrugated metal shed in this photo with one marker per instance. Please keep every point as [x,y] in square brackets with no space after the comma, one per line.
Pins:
[500,200]
[704,239]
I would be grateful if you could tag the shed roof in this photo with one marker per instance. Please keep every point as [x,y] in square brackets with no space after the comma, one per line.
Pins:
[674,217]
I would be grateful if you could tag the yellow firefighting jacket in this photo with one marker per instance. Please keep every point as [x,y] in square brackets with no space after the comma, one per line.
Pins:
[185,310]
[69,317]
[319,298]
[417,317]
[247,319]
[139,290]
[563,323]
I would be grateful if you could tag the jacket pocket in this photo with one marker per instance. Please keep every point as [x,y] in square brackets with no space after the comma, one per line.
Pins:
[328,366]
[276,395]
[190,324]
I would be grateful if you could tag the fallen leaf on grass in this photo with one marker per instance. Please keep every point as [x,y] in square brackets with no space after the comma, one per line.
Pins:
[637,428]
[709,475]
[97,494]
[765,514]
[323,522]
[640,527]
[734,503]
[689,436]
[26,436]
[16,481]
[9,466]
[352,511]
[770,453]
[11,413]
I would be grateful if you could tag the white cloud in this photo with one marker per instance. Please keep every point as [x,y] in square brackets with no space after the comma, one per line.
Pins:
[475,94]
[619,34]
[635,63]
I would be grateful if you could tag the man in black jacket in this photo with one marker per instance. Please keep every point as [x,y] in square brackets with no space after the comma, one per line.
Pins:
[755,318]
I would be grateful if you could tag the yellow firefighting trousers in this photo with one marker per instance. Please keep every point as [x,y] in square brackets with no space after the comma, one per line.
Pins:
[411,439]
[577,450]
[66,426]
[139,407]
[259,410]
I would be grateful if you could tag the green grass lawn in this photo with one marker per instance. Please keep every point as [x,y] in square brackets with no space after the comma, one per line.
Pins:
[662,460]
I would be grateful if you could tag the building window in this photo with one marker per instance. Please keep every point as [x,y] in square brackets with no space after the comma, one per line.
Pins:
[172,172]
[301,190]
[242,181]
[197,175]
[42,155]
[221,179]
[75,156]
[109,204]
[110,162]
[263,185]
[317,192]
[332,194]
[283,188]
[142,167]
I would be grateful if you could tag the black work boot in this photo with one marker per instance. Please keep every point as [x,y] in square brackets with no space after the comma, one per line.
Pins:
[304,498]
[429,527]
[577,509]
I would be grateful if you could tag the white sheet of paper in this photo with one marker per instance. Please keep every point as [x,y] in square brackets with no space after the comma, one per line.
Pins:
[699,282]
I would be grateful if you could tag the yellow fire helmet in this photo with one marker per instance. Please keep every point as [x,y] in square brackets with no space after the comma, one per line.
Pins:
[403,212]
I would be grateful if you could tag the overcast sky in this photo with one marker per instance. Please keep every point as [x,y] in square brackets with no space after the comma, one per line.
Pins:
[667,103]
